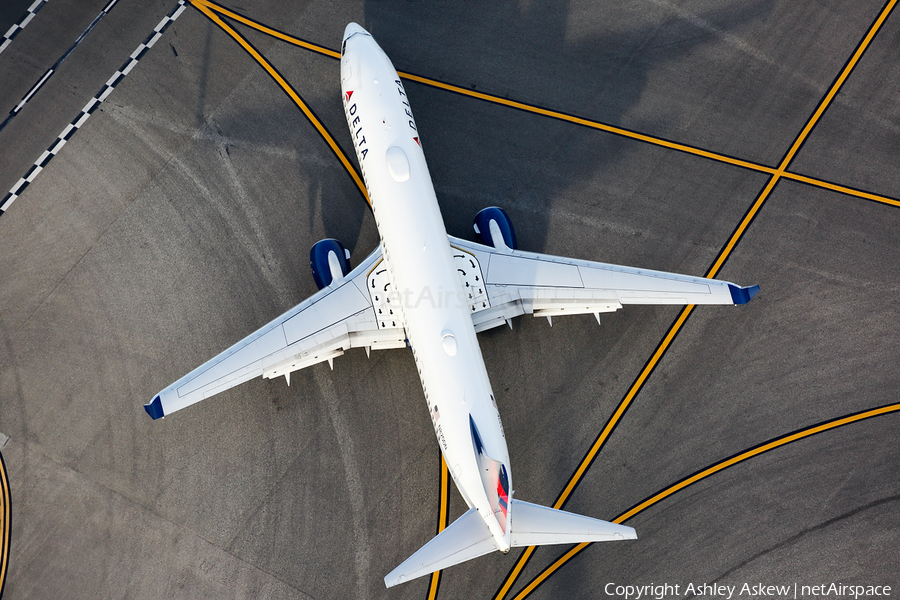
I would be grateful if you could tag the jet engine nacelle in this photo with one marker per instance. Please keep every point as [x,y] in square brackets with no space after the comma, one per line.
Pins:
[494,228]
[329,261]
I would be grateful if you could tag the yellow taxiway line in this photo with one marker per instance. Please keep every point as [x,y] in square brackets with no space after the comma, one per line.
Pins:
[711,470]
[443,517]
[210,9]
[620,131]
[685,313]
[5,523]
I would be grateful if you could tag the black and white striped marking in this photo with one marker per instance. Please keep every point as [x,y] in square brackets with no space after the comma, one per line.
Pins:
[56,65]
[15,29]
[90,107]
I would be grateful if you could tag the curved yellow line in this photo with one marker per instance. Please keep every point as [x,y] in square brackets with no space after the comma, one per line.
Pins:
[442,522]
[600,441]
[268,30]
[5,523]
[713,271]
[579,120]
[206,8]
[711,470]
[776,173]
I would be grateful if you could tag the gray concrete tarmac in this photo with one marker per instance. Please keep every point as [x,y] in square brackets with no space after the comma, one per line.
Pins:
[178,219]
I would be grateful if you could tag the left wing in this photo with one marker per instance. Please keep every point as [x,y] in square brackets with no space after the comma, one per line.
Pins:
[350,313]
[515,282]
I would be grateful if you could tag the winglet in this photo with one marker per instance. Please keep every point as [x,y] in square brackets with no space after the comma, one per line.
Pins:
[154,409]
[742,295]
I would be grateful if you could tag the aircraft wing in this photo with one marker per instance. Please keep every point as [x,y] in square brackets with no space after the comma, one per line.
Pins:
[518,282]
[350,313]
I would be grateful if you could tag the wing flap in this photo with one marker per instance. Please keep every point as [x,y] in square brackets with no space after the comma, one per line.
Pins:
[329,345]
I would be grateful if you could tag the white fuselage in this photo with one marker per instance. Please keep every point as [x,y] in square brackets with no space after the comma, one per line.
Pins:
[426,287]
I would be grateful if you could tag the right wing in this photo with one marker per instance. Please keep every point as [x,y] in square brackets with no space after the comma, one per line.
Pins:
[353,312]
[504,283]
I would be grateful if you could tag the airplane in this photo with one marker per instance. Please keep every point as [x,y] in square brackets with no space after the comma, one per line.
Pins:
[433,293]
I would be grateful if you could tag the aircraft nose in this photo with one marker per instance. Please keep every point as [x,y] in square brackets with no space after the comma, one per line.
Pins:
[353,28]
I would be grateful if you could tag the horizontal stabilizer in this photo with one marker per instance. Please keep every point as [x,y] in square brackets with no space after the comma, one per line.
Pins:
[466,538]
[535,525]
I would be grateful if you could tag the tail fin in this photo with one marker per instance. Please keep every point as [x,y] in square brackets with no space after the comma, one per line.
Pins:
[531,525]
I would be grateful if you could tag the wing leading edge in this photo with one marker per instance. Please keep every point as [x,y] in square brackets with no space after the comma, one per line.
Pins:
[338,317]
